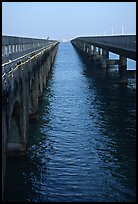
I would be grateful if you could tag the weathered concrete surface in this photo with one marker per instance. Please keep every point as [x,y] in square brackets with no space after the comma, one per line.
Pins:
[22,86]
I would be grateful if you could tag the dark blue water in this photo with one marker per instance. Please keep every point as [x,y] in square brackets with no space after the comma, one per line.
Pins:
[82,146]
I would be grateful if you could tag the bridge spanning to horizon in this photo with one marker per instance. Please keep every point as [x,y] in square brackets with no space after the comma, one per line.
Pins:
[123,45]
[26,63]
[98,48]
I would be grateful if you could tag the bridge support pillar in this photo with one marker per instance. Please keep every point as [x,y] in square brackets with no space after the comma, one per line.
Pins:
[84,47]
[87,49]
[99,51]
[94,53]
[123,69]
[91,49]
[105,58]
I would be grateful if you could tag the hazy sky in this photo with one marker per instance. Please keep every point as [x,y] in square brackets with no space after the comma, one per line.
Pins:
[67,20]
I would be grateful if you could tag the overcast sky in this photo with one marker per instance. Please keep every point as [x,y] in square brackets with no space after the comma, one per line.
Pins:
[67,20]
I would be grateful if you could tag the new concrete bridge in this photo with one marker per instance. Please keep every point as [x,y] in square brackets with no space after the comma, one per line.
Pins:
[98,48]
[26,63]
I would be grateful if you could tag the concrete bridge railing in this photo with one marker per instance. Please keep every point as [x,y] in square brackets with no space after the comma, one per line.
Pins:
[127,42]
[124,45]
[13,47]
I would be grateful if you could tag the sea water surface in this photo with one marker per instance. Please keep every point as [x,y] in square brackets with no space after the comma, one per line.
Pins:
[82,146]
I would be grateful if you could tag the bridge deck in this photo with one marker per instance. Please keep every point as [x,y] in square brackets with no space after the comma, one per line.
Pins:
[124,45]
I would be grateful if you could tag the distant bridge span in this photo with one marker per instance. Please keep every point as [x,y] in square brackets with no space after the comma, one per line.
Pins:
[123,45]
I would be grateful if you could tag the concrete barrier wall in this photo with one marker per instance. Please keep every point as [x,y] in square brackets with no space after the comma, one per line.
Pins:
[120,41]
[13,47]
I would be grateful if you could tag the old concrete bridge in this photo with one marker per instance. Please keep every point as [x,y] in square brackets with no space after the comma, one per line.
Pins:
[98,49]
[26,63]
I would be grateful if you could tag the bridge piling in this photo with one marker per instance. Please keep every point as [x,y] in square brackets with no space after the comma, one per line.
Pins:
[94,53]
[124,46]
[123,69]
[105,58]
